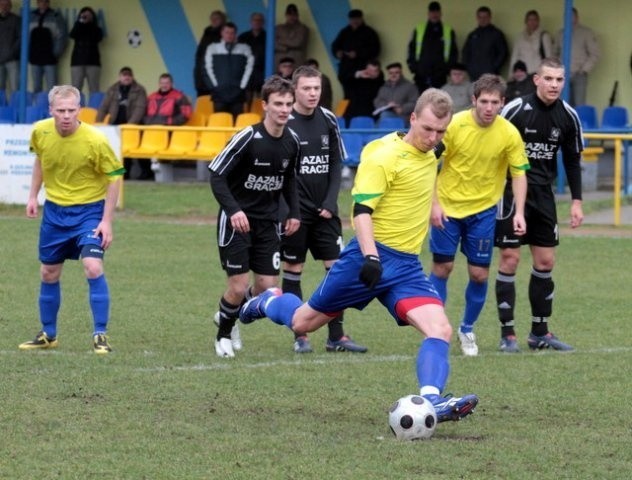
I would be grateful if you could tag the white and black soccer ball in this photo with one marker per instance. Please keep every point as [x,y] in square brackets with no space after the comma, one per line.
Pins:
[134,38]
[412,418]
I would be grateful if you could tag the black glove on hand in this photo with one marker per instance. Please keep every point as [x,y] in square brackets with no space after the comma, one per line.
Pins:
[371,271]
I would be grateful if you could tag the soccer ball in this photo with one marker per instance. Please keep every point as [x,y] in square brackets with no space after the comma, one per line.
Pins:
[412,418]
[134,38]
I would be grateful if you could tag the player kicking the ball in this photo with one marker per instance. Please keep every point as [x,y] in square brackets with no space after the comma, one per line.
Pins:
[392,194]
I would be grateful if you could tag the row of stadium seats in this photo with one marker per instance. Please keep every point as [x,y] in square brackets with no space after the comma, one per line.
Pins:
[40,99]
[611,117]
[362,130]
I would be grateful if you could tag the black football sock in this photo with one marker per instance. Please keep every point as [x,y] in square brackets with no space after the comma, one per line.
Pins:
[541,289]
[291,283]
[506,302]
[228,315]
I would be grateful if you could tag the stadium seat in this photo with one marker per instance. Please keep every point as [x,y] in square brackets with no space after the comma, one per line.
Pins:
[88,115]
[341,107]
[363,122]
[342,123]
[95,99]
[34,113]
[353,143]
[204,105]
[211,143]
[196,119]
[182,142]
[587,116]
[3,98]
[152,142]
[614,117]
[14,100]
[130,140]
[391,123]
[246,119]
[40,99]
[7,114]
[220,119]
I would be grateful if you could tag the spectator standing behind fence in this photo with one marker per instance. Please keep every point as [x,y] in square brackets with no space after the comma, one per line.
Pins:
[485,49]
[10,28]
[532,45]
[365,84]
[431,50]
[459,88]
[584,56]
[211,35]
[291,37]
[356,44]
[255,38]
[124,102]
[85,61]
[48,38]
[228,66]
[397,97]
[521,82]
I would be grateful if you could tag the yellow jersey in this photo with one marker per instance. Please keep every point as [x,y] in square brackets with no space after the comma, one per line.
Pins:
[75,169]
[397,181]
[475,163]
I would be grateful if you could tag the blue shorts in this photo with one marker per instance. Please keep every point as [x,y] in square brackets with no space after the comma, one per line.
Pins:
[66,230]
[476,234]
[402,278]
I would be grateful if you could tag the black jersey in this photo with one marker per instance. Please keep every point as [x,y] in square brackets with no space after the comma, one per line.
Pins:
[320,165]
[252,171]
[545,129]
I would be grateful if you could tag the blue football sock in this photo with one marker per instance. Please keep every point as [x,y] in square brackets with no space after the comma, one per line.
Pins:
[441,284]
[433,366]
[49,302]
[281,309]
[475,294]
[99,303]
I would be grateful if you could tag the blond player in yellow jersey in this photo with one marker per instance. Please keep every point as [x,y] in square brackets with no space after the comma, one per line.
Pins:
[392,196]
[480,147]
[82,177]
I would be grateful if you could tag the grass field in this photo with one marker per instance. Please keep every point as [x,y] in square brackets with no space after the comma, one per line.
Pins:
[164,406]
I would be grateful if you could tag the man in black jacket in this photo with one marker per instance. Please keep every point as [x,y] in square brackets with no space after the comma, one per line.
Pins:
[485,49]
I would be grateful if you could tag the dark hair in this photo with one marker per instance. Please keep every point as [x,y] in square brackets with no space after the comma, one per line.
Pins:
[550,62]
[229,25]
[127,70]
[166,75]
[530,13]
[355,13]
[305,71]
[312,62]
[489,83]
[393,65]
[484,10]
[275,84]
[434,7]
[458,66]
[286,60]
[375,62]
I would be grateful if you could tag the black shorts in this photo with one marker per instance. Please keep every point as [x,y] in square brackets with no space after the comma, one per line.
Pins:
[322,237]
[540,214]
[257,250]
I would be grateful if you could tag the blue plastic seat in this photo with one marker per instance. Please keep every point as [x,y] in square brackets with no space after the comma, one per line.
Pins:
[614,117]
[40,99]
[95,100]
[587,116]
[366,123]
[14,101]
[7,114]
[34,113]
[391,123]
[353,143]
[3,98]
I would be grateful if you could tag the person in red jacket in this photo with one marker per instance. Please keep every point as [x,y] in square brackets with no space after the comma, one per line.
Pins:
[166,106]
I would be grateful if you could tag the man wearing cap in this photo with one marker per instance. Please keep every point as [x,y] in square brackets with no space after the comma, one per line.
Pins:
[431,50]
[124,102]
[291,37]
[459,88]
[521,82]
[355,45]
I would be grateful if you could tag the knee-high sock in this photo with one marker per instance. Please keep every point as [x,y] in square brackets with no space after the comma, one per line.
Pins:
[433,366]
[99,303]
[49,302]
[228,314]
[541,288]
[475,294]
[506,301]
[291,283]
[336,331]
[441,284]
[281,309]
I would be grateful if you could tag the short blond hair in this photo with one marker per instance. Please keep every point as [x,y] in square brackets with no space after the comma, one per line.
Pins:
[63,91]
[440,102]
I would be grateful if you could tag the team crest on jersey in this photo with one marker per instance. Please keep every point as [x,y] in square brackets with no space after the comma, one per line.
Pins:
[285,162]
[324,141]
[555,134]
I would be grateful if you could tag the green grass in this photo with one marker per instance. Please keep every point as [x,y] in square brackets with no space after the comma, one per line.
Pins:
[164,406]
